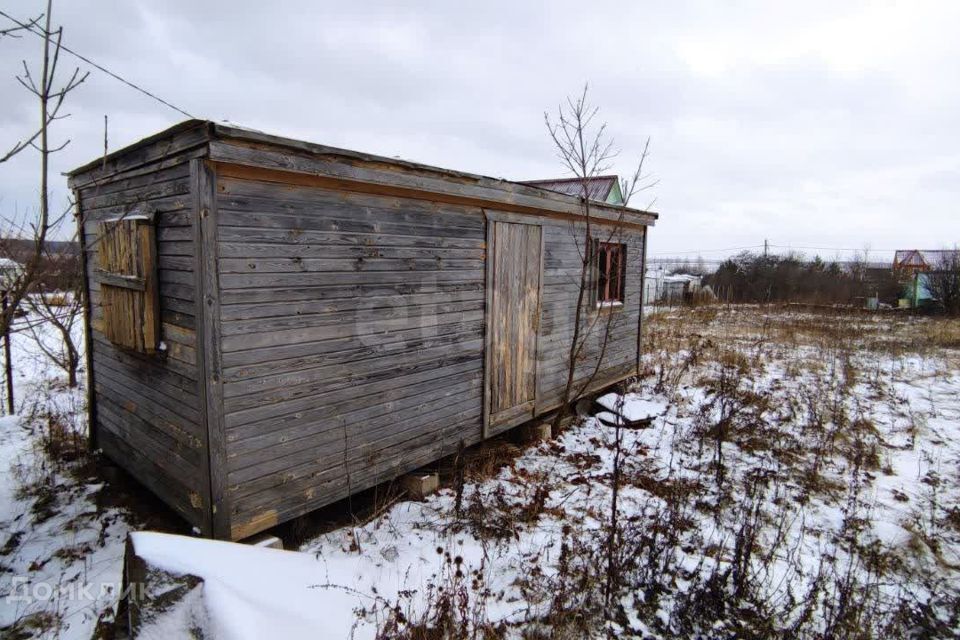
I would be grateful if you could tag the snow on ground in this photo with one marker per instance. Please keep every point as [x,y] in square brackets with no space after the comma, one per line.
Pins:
[851,450]
[60,554]
[801,476]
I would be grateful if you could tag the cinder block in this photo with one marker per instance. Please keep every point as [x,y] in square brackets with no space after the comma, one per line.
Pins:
[536,432]
[419,485]
[265,540]
[568,420]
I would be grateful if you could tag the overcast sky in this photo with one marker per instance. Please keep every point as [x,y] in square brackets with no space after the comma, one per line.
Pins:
[810,124]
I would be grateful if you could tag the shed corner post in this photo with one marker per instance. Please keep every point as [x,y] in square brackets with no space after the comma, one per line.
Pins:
[643,288]
[87,325]
[203,178]
[487,311]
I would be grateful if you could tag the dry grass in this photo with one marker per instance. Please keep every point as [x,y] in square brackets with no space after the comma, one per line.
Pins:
[31,626]
[749,506]
[774,326]
[484,460]
[943,333]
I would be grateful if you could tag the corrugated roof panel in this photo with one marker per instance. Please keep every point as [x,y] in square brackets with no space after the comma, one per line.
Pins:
[598,187]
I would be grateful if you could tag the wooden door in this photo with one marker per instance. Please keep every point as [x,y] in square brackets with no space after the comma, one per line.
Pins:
[514,266]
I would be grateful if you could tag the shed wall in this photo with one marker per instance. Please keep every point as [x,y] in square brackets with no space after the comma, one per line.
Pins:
[352,332]
[148,413]
[343,332]
[352,338]
[563,246]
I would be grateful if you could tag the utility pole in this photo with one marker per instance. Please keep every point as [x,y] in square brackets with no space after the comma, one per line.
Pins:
[8,362]
[766,247]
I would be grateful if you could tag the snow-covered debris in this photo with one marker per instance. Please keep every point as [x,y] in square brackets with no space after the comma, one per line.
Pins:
[234,591]
[633,407]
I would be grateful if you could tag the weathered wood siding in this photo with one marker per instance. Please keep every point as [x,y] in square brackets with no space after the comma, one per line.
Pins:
[352,345]
[563,248]
[148,414]
[352,337]
[324,314]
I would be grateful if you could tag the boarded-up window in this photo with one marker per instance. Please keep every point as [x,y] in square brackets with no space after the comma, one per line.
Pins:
[611,272]
[127,273]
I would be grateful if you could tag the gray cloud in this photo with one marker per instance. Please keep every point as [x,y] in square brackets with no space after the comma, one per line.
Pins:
[807,124]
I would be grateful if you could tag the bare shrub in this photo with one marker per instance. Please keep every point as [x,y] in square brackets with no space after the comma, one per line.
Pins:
[751,278]
[60,310]
[943,281]
[455,607]
[723,532]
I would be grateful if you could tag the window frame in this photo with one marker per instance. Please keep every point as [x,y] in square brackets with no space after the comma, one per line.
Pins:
[610,259]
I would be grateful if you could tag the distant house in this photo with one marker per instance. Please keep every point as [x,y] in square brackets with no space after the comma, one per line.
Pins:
[600,188]
[8,271]
[662,288]
[913,267]
[910,261]
[653,284]
[680,287]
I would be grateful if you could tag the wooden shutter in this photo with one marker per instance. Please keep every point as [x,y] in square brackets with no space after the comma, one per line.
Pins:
[127,273]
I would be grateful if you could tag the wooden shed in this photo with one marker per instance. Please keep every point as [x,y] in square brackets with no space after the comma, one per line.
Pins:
[274,324]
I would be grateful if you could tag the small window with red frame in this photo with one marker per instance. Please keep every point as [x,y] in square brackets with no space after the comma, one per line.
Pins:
[611,272]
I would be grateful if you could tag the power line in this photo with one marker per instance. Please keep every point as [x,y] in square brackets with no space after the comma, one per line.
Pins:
[93,64]
[870,249]
[697,251]
[766,246]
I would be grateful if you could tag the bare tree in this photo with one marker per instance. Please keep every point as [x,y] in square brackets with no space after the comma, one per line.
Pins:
[586,151]
[50,96]
[943,281]
[58,303]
